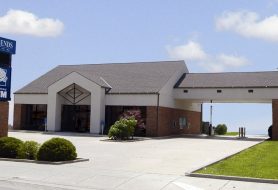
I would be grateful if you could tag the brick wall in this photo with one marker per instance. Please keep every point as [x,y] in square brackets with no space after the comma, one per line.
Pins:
[18,108]
[4,117]
[166,119]
[275,119]
[151,125]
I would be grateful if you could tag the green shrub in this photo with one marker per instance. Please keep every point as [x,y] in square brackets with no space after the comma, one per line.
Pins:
[270,131]
[122,129]
[9,147]
[57,149]
[29,150]
[221,129]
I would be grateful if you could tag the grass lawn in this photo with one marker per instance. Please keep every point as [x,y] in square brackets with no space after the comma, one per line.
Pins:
[232,134]
[260,161]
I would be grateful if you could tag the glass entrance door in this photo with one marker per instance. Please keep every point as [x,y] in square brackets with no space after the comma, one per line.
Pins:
[76,118]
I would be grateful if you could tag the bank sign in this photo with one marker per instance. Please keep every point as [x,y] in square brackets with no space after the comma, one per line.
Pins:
[7,45]
[5,84]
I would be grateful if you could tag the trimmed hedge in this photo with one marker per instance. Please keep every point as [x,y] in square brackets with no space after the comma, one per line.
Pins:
[29,150]
[57,149]
[9,147]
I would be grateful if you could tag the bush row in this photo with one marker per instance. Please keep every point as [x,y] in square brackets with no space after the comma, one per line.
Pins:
[55,149]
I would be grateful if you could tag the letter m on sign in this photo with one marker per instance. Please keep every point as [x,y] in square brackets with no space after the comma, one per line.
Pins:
[3,94]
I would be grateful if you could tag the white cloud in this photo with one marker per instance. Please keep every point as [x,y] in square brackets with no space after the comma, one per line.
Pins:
[22,22]
[232,60]
[193,51]
[249,24]
[189,51]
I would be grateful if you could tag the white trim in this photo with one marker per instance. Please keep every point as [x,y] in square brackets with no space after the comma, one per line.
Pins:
[30,99]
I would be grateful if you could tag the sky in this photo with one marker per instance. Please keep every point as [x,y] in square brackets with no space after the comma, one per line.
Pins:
[210,35]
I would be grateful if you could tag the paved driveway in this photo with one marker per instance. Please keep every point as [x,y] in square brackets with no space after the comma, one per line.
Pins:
[147,164]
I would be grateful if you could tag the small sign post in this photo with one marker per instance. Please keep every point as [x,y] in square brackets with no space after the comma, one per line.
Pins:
[7,48]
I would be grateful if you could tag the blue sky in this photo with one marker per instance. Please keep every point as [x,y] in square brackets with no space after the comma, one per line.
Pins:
[211,36]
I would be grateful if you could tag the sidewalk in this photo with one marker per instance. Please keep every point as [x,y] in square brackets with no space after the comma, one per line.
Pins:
[139,182]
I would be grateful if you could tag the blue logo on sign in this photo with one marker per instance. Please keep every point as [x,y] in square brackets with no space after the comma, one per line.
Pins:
[3,77]
[5,83]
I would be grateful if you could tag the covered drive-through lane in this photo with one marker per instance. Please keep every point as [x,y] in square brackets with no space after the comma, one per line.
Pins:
[234,87]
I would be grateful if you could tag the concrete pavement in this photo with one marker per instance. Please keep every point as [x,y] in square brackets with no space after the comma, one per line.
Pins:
[145,181]
[147,164]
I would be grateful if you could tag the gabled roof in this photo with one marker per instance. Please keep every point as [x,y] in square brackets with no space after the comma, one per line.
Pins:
[230,80]
[140,77]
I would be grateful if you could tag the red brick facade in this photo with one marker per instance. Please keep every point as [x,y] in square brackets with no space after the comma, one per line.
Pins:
[168,121]
[275,119]
[4,117]
[18,108]
[151,124]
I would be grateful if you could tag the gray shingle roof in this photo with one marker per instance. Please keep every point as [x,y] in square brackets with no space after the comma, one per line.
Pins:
[230,80]
[141,77]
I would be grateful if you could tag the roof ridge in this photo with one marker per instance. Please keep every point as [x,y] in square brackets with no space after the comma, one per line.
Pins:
[122,63]
[236,72]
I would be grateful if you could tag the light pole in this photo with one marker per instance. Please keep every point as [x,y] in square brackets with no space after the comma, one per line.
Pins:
[211,112]
[210,123]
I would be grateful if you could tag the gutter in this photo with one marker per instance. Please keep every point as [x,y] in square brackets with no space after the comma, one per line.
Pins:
[119,93]
[214,87]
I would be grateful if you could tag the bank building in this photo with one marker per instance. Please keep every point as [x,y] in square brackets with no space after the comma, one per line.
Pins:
[91,97]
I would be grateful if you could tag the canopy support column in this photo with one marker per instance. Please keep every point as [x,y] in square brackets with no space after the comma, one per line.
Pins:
[275,119]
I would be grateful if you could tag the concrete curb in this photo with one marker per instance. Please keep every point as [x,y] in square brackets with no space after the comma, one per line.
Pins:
[58,133]
[45,162]
[235,178]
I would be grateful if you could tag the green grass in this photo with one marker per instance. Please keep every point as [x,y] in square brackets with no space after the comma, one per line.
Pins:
[231,134]
[260,161]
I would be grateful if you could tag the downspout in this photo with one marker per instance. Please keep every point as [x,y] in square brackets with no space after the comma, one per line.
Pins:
[201,118]
[157,114]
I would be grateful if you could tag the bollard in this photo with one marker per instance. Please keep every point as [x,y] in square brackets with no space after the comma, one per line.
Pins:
[241,132]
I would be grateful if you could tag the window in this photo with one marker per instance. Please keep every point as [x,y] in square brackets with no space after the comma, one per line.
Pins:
[182,122]
[250,91]
[219,91]
[185,91]
[34,117]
